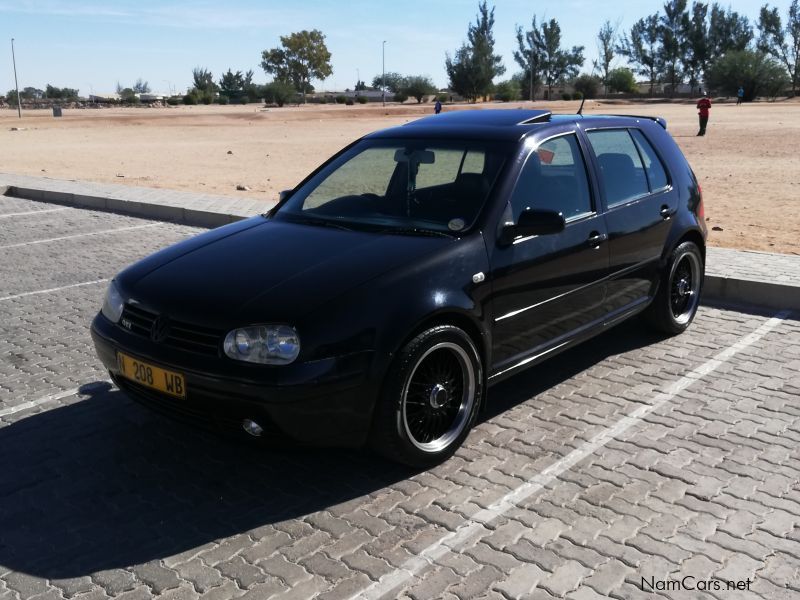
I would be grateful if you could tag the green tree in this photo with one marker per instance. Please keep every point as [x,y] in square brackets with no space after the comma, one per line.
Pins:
[672,37]
[11,97]
[31,93]
[696,56]
[782,44]
[303,56]
[622,80]
[588,85]
[418,86]
[475,64]
[606,50]
[507,91]
[727,31]
[360,86]
[640,47]
[394,81]
[203,80]
[236,85]
[279,92]
[559,64]
[529,55]
[141,86]
[757,72]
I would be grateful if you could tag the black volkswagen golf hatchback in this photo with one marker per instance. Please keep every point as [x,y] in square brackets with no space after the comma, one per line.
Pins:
[378,301]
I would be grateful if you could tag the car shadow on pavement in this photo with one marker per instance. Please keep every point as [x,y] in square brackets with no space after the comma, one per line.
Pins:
[103,483]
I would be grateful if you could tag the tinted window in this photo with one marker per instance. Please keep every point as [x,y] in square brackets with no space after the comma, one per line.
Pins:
[656,176]
[622,173]
[554,178]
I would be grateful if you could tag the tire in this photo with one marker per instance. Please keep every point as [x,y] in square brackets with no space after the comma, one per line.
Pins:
[430,398]
[678,296]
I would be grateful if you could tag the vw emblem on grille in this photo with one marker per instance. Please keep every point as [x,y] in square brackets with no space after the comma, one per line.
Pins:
[160,329]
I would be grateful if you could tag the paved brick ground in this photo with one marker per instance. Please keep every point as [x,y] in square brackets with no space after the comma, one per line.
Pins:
[99,498]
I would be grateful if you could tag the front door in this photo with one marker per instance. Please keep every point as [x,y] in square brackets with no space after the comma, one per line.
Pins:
[549,287]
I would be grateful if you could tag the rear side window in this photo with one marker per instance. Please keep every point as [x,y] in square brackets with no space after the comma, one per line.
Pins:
[621,169]
[554,178]
[656,176]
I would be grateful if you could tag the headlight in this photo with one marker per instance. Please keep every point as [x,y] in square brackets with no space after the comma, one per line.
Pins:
[113,303]
[264,344]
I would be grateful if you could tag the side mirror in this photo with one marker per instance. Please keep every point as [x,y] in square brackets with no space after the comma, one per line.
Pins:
[284,194]
[533,222]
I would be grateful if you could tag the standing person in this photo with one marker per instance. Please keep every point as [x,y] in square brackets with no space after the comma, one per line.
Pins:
[739,95]
[437,108]
[703,108]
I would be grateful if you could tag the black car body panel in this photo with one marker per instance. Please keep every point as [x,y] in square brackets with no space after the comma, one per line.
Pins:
[356,296]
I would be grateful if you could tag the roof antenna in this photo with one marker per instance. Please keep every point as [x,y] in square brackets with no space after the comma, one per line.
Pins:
[580,110]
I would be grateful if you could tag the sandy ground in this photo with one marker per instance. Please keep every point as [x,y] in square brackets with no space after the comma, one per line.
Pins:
[748,163]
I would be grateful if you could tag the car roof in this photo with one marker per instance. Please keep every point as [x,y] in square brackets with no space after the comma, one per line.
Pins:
[498,124]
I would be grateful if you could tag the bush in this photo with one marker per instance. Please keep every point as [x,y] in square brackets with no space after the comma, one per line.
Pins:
[341,99]
[587,85]
[565,96]
[622,80]
[223,100]
[190,99]
[506,91]
[323,100]
[443,98]
[756,72]
[207,98]
[577,96]
[363,100]
[278,92]
[400,97]
[349,102]
[244,100]
[173,101]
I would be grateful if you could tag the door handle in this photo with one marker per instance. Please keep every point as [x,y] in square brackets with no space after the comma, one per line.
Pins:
[665,212]
[596,238]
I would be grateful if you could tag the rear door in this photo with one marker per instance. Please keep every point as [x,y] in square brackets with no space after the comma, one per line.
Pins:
[548,287]
[640,202]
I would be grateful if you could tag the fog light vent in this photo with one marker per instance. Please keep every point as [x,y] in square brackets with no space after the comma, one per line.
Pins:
[252,427]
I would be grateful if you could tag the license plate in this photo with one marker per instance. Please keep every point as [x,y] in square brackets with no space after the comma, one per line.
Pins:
[168,382]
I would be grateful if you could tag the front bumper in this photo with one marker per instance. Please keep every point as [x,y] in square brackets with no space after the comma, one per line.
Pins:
[325,402]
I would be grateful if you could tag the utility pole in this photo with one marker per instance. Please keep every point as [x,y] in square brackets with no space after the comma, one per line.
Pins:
[16,83]
[383,72]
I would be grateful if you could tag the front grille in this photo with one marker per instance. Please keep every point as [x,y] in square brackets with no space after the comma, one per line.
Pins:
[182,336]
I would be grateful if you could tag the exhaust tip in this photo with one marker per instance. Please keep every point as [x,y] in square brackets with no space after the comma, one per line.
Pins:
[252,428]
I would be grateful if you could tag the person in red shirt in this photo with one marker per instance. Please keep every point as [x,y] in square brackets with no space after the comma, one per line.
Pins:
[703,108]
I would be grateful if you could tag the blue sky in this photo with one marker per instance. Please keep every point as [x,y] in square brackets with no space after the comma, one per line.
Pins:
[92,44]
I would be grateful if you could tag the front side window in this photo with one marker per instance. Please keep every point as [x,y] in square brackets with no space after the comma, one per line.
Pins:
[402,184]
[554,178]
[621,170]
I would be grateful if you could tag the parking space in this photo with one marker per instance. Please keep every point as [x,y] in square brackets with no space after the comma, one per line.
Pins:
[629,463]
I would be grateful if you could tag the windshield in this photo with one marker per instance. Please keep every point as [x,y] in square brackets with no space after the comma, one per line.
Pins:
[402,185]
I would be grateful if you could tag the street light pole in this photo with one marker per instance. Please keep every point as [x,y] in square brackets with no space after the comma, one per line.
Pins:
[16,83]
[383,72]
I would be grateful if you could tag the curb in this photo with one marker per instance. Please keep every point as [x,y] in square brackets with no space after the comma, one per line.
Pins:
[717,290]
[162,212]
[748,292]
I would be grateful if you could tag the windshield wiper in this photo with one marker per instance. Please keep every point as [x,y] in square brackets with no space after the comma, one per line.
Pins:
[415,231]
[320,222]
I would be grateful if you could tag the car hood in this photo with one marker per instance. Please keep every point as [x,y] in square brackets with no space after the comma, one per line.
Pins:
[267,271]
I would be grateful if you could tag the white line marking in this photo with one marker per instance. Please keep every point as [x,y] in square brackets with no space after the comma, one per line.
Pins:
[33,212]
[474,526]
[5,412]
[57,289]
[77,235]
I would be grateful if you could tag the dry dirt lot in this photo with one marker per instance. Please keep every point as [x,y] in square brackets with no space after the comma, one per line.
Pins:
[748,163]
